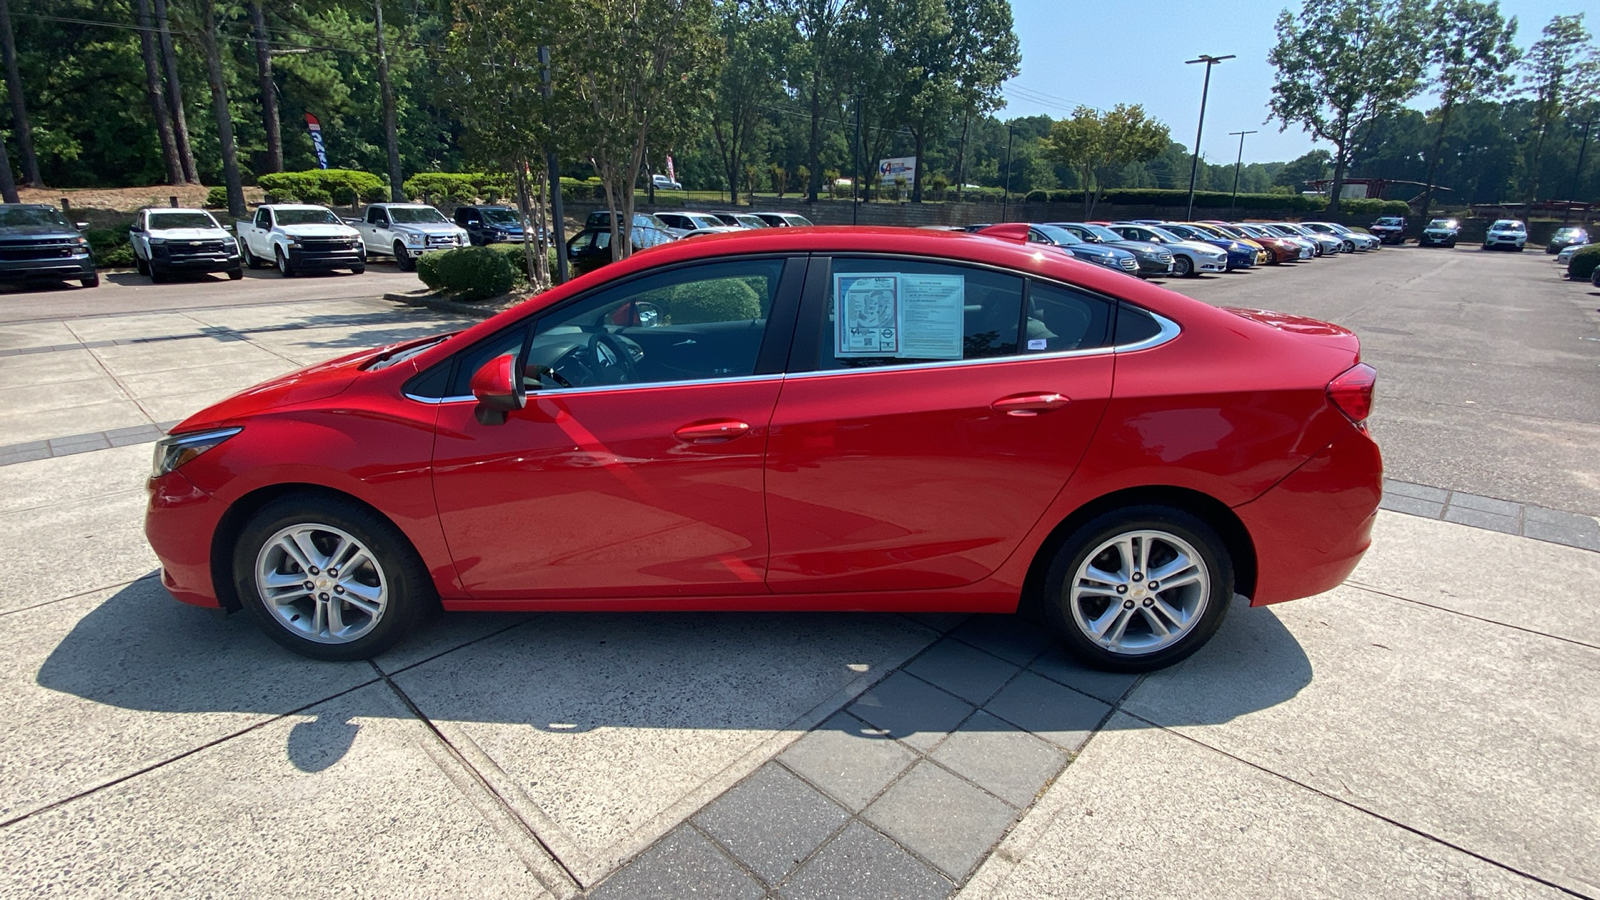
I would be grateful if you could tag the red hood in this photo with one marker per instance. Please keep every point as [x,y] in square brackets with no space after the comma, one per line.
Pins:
[318,382]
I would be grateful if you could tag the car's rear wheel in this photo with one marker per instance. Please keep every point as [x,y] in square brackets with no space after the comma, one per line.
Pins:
[250,259]
[328,578]
[1182,267]
[1139,588]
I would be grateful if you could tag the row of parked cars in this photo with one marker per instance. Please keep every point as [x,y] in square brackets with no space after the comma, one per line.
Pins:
[590,248]
[1155,249]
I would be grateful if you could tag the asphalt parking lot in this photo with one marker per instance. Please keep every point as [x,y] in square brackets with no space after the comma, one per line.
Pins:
[1428,729]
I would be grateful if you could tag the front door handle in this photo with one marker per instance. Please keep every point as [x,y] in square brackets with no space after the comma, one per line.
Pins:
[712,431]
[1030,404]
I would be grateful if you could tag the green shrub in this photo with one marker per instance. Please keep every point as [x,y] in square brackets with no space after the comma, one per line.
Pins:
[322,186]
[1037,196]
[1374,206]
[217,197]
[457,187]
[724,300]
[110,247]
[1583,263]
[471,273]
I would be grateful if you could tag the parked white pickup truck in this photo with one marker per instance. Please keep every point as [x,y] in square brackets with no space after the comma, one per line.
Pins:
[299,238]
[173,241]
[405,231]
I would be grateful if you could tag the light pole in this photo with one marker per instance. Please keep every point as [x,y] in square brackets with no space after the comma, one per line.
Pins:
[1005,189]
[1236,165]
[1194,164]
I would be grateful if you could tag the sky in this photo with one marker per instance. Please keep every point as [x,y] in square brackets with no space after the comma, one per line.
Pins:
[1103,53]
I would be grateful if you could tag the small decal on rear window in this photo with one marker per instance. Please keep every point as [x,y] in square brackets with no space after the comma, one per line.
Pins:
[1037,343]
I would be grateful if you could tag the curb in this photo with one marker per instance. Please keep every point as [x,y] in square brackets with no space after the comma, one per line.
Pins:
[436,303]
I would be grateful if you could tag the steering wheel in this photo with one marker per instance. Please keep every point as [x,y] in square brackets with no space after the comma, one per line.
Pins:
[611,358]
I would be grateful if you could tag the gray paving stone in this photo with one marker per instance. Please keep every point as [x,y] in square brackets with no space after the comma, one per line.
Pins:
[861,863]
[847,758]
[26,445]
[1485,504]
[1416,491]
[1008,762]
[132,430]
[1057,665]
[1411,505]
[1013,638]
[941,818]
[683,864]
[125,440]
[1058,714]
[771,821]
[910,710]
[940,622]
[963,670]
[79,444]
[11,457]
[1585,535]
[1462,515]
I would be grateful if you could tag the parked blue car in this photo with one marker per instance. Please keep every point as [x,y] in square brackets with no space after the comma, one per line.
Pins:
[1110,257]
[1240,256]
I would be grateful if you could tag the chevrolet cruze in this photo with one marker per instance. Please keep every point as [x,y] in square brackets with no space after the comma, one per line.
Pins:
[830,419]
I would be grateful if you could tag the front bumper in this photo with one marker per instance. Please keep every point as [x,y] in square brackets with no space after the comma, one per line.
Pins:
[59,268]
[307,259]
[1311,529]
[168,259]
[1211,265]
[179,523]
[1436,239]
[1150,267]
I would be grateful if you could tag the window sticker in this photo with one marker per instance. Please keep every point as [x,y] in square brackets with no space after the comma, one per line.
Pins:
[1038,343]
[899,315]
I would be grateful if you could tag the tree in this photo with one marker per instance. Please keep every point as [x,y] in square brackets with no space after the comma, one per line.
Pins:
[180,121]
[752,37]
[1098,146]
[987,54]
[1473,51]
[1342,64]
[156,90]
[205,11]
[1313,166]
[8,186]
[19,109]
[391,128]
[645,95]
[1561,73]
[818,67]
[269,90]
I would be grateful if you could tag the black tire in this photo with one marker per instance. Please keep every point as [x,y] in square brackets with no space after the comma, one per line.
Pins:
[1208,610]
[140,266]
[358,270]
[250,259]
[409,590]
[404,260]
[235,273]
[285,268]
[91,281]
[157,276]
[1182,267]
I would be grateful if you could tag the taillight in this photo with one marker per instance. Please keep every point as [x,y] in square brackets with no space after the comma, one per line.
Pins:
[1351,392]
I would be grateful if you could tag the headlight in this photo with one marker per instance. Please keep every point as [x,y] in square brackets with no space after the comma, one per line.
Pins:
[156,242]
[294,244]
[174,450]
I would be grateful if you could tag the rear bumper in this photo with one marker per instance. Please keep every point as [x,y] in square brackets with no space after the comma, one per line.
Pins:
[1311,529]
[179,523]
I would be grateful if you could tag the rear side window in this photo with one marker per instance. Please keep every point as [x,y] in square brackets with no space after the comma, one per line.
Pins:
[1134,325]
[1061,318]
[886,312]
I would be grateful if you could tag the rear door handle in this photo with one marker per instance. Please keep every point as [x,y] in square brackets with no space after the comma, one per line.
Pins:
[711,432]
[1030,404]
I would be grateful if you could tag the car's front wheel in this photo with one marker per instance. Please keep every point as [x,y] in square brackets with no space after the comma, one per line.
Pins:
[1182,267]
[285,268]
[403,258]
[1139,588]
[328,578]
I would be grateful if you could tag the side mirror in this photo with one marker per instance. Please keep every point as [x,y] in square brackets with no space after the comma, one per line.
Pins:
[499,389]
[81,225]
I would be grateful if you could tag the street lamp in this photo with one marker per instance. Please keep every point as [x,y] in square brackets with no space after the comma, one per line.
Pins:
[1236,164]
[1194,164]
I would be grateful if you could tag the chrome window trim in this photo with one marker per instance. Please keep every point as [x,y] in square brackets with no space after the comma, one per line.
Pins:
[563,392]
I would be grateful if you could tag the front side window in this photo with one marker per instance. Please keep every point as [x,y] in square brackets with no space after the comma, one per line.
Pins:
[263,218]
[886,312]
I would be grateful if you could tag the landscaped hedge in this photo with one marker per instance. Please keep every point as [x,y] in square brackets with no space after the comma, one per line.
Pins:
[1219,199]
[458,187]
[110,247]
[587,189]
[322,186]
[1583,263]
[725,300]
[217,197]
[470,273]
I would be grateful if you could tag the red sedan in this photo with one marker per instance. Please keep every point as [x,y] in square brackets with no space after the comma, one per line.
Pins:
[793,419]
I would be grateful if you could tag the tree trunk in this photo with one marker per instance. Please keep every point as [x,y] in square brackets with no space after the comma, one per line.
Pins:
[961,155]
[1433,158]
[19,109]
[814,145]
[391,131]
[269,90]
[180,121]
[157,93]
[916,169]
[8,187]
[1341,147]
[219,107]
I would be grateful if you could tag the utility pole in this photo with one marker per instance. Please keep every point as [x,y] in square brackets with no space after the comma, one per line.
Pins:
[1005,189]
[553,162]
[1237,164]
[1194,163]
[1583,145]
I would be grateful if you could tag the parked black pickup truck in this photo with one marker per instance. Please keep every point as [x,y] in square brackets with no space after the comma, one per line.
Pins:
[38,244]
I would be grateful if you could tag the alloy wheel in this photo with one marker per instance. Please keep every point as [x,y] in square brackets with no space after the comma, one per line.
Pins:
[321,583]
[1139,592]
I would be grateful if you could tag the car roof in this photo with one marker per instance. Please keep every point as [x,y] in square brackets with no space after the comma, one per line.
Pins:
[175,209]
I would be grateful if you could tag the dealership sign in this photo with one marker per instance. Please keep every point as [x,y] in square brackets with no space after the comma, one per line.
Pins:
[897,167]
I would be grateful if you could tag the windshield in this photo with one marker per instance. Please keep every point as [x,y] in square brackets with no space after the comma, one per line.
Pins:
[416,215]
[1442,223]
[1504,225]
[750,221]
[705,221]
[1102,232]
[31,216]
[1187,233]
[1164,234]
[394,357]
[796,221]
[161,221]
[1058,235]
[305,217]
[497,215]
[1390,220]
